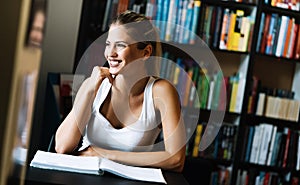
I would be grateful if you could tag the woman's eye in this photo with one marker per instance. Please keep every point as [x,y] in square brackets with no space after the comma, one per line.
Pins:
[121,45]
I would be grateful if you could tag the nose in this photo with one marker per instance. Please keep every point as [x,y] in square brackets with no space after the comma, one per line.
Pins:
[111,51]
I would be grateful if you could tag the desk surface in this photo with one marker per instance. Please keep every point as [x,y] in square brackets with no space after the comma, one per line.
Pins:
[41,176]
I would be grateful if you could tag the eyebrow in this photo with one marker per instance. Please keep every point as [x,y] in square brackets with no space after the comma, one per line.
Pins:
[118,42]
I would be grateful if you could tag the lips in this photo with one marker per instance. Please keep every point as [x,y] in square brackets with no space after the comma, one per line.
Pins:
[114,63]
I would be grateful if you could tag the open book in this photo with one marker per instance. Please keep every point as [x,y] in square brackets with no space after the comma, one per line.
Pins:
[94,165]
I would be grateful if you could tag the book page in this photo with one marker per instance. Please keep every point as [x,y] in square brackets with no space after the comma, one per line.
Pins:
[94,165]
[132,172]
[63,162]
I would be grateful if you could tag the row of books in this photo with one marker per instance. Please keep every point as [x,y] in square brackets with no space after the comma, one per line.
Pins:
[236,30]
[268,145]
[276,107]
[223,145]
[271,102]
[222,176]
[200,90]
[279,36]
[176,20]
[244,1]
[277,103]
[226,29]
[262,178]
[287,4]
[115,7]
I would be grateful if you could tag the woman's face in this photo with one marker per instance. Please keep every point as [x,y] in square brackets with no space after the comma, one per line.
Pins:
[121,49]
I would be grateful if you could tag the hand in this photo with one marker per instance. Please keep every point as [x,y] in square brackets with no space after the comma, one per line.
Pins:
[98,75]
[89,151]
[92,151]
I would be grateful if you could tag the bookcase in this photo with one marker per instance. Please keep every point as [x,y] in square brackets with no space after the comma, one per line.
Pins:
[257,45]
[19,69]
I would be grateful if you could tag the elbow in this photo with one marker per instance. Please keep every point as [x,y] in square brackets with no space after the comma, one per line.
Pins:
[60,149]
[177,163]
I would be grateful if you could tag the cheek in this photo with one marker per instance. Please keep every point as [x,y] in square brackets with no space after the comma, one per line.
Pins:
[105,53]
[134,55]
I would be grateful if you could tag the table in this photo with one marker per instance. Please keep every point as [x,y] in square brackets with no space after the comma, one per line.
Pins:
[36,176]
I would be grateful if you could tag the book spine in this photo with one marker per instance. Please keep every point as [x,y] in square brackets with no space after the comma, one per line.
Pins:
[178,22]
[287,147]
[272,143]
[224,31]
[270,36]
[265,33]
[292,41]
[159,13]
[236,34]
[196,14]
[288,37]
[260,32]
[281,37]
[183,20]
[197,140]
[106,14]
[217,26]
[171,20]
[297,47]
[233,17]
[165,12]
[188,22]
[249,143]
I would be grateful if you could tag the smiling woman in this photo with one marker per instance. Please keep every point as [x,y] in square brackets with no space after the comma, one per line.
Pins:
[121,110]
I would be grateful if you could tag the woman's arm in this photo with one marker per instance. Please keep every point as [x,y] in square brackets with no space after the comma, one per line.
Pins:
[167,102]
[69,132]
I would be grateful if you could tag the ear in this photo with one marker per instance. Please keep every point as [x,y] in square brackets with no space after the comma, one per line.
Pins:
[147,51]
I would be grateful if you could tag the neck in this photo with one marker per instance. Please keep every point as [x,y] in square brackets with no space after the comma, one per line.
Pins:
[129,85]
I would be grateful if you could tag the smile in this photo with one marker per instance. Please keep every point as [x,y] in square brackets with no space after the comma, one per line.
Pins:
[114,63]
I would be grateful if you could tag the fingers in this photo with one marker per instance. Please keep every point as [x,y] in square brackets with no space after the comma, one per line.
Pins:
[98,75]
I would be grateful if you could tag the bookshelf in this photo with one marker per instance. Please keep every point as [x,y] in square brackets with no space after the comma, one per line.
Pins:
[276,72]
[19,69]
[247,57]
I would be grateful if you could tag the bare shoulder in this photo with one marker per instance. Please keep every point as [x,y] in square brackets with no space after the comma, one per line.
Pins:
[84,85]
[163,88]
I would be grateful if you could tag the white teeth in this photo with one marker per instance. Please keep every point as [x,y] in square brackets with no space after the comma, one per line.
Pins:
[114,63]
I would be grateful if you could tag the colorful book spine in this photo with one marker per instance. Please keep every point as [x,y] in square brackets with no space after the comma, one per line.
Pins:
[224,31]
[270,35]
[171,20]
[183,20]
[196,14]
[178,22]
[188,22]
[236,32]
[235,84]
[288,33]
[231,27]
[163,23]
[197,140]
[281,37]
[159,9]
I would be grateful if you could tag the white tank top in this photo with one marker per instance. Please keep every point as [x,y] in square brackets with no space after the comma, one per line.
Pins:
[139,136]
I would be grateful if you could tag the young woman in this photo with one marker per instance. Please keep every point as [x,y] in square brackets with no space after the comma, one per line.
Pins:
[121,110]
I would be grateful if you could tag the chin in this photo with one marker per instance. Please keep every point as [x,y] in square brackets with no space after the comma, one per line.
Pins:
[114,71]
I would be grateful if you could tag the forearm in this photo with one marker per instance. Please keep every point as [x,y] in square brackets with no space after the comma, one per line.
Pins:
[159,159]
[69,132]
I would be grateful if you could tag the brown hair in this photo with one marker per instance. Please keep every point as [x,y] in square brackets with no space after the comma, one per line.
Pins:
[141,29]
